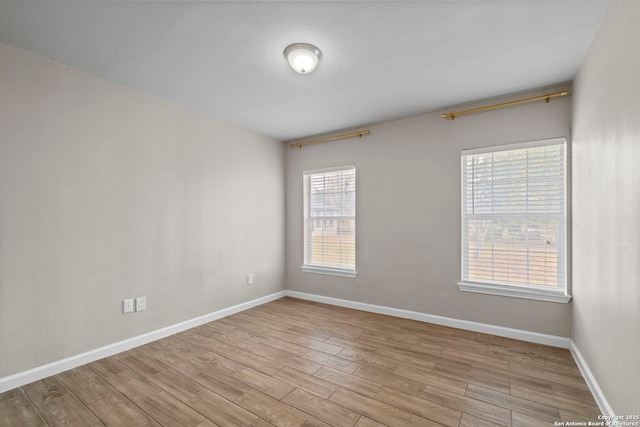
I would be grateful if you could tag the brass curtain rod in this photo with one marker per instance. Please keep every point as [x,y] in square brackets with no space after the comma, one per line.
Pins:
[546,97]
[330,138]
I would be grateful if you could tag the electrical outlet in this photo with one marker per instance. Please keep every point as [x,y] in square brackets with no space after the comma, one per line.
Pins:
[127,305]
[141,304]
[250,279]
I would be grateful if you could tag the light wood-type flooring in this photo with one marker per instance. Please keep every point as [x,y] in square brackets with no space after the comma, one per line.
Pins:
[298,363]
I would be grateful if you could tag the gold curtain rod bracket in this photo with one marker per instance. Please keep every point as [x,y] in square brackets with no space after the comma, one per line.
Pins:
[546,97]
[330,138]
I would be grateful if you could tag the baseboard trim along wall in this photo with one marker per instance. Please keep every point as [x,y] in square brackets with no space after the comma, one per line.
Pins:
[500,331]
[601,400]
[518,334]
[41,372]
[22,378]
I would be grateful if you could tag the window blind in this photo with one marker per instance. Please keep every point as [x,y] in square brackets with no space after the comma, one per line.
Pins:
[514,222]
[330,218]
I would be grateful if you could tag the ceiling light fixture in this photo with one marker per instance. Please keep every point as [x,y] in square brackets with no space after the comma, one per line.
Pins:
[303,57]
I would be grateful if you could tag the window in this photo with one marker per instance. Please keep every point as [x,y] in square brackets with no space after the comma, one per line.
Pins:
[514,220]
[330,221]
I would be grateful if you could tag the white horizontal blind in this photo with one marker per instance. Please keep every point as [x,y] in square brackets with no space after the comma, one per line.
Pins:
[330,218]
[514,216]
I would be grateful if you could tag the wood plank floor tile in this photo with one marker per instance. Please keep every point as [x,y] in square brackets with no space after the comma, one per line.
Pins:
[428,377]
[85,384]
[422,353]
[307,364]
[389,380]
[468,420]
[107,367]
[351,382]
[179,386]
[421,407]
[18,411]
[57,405]
[211,360]
[494,413]
[527,407]
[269,385]
[537,386]
[350,344]
[269,342]
[311,333]
[259,422]
[322,409]
[171,344]
[371,358]
[254,361]
[566,368]
[368,422]
[408,360]
[180,362]
[270,409]
[483,378]
[417,421]
[540,357]
[328,326]
[566,415]
[310,383]
[319,345]
[221,411]
[255,321]
[219,383]
[371,408]
[277,319]
[298,336]
[295,362]
[331,361]
[169,411]
[242,373]
[553,400]
[116,410]
[10,394]
[476,359]
[553,377]
[521,420]
[288,335]
[582,394]
[235,338]
[132,385]
[313,422]
[143,364]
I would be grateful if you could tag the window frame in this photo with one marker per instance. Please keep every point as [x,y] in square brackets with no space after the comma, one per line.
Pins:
[515,290]
[320,268]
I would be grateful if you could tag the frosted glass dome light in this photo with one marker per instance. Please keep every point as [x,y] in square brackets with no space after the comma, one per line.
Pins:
[303,57]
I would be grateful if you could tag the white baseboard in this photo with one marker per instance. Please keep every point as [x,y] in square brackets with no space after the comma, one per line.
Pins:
[602,402]
[501,331]
[534,337]
[17,380]
[41,372]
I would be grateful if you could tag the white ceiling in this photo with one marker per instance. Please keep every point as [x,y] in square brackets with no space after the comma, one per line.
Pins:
[381,60]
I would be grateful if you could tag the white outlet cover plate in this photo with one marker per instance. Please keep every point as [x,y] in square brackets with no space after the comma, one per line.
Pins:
[127,305]
[141,304]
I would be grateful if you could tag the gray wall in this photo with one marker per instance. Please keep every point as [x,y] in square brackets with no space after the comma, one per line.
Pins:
[606,207]
[106,194]
[408,213]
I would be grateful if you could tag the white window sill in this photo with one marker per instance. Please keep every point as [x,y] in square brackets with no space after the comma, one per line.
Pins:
[515,292]
[330,271]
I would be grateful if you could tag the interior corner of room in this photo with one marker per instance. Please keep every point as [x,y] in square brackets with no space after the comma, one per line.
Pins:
[111,193]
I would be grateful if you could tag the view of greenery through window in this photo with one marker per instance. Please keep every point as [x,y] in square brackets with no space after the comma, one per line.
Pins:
[514,217]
